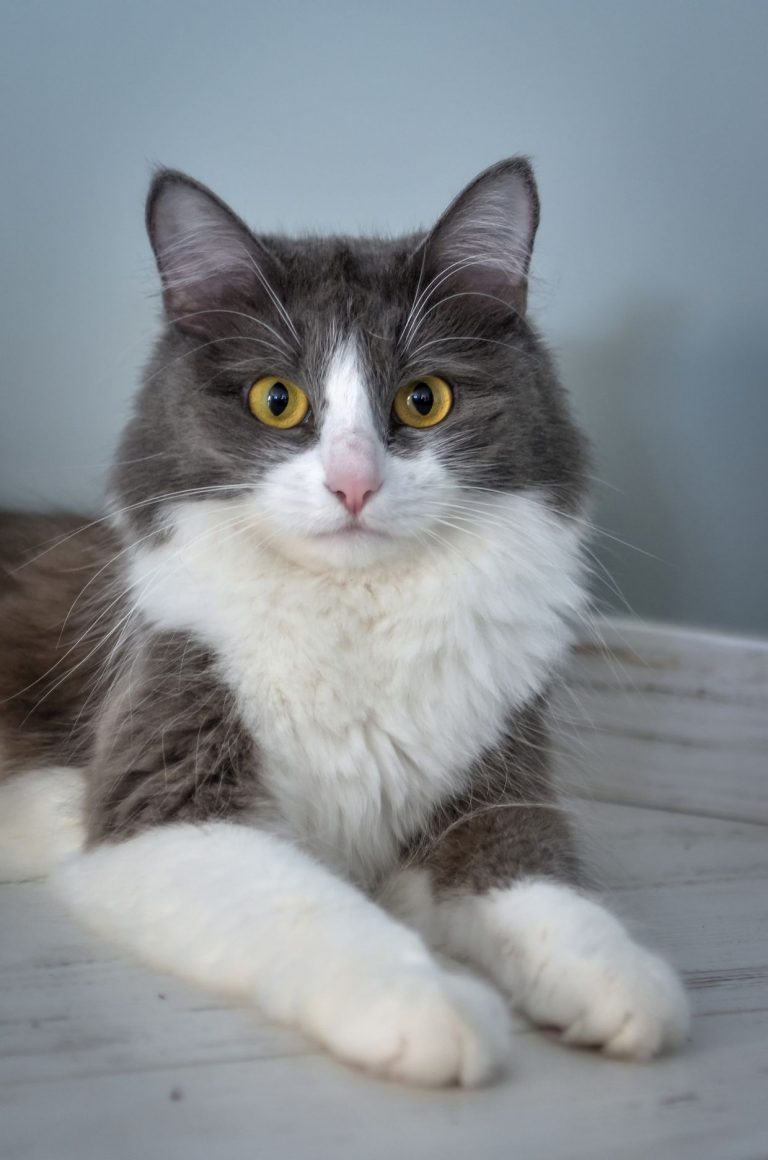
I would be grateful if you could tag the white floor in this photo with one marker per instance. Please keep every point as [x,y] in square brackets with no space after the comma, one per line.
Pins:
[101,1059]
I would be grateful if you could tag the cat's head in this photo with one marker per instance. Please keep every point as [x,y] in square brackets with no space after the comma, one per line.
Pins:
[353,398]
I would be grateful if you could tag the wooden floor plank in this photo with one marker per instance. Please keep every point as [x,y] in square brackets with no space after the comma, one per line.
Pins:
[658,716]
[706,1105]
[631,845]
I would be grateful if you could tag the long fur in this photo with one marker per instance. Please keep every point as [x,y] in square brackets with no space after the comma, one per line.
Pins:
[278,721]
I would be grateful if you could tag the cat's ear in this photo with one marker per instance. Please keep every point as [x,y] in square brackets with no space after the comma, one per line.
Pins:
[207,257]
[482,244]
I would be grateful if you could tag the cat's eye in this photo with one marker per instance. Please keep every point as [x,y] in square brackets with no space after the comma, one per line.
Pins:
[423,402]
[278,402]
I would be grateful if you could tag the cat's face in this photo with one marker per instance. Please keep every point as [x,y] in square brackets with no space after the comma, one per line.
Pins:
[350,399]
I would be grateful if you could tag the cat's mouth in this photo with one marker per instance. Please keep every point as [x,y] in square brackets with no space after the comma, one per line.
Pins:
[351,531]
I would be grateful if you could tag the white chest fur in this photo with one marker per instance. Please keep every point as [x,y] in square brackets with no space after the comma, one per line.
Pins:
[370,694]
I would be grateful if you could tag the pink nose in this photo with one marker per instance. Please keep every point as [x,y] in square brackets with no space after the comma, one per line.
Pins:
[353,489]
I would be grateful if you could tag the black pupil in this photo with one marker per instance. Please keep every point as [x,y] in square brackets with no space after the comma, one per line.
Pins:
[277,399]
[422,398]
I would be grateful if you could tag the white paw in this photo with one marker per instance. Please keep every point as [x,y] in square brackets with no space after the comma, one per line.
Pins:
[574,967]
[424,1026]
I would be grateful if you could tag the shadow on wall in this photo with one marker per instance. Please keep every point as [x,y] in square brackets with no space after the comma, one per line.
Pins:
[671,404]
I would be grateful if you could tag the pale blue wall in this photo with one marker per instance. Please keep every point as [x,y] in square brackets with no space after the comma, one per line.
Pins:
[647,123]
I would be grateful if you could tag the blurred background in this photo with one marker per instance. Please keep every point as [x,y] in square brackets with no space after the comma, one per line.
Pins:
[646,122]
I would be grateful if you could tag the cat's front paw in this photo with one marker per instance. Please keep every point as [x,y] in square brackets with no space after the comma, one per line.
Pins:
[574,967]
[424,1026]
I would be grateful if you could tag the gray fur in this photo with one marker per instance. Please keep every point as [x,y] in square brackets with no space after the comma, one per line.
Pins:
[60,606]
[170,745]
[508,824]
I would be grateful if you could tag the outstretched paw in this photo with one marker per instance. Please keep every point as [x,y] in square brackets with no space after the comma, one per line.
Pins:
[574,967]
[425,1027]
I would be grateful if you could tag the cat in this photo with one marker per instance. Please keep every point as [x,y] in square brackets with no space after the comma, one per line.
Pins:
[280,717]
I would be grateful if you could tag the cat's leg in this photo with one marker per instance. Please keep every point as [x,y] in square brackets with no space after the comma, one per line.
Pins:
[497,883]
[178,871]
[241,911]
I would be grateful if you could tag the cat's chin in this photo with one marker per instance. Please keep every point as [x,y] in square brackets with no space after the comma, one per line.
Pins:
[349,548]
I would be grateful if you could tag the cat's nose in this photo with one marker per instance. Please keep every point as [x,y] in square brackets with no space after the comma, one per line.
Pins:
[353,489]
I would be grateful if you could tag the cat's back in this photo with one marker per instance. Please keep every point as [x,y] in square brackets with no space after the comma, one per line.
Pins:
[25,535]
[55,573]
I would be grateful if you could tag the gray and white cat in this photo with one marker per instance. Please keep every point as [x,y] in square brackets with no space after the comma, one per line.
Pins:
[279,718]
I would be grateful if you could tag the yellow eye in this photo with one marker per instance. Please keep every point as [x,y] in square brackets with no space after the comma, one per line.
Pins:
[423,402]
[278,402]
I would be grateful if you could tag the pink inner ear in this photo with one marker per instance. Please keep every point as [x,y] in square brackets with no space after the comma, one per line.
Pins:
[203,250]
[196,236]
[483,241]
